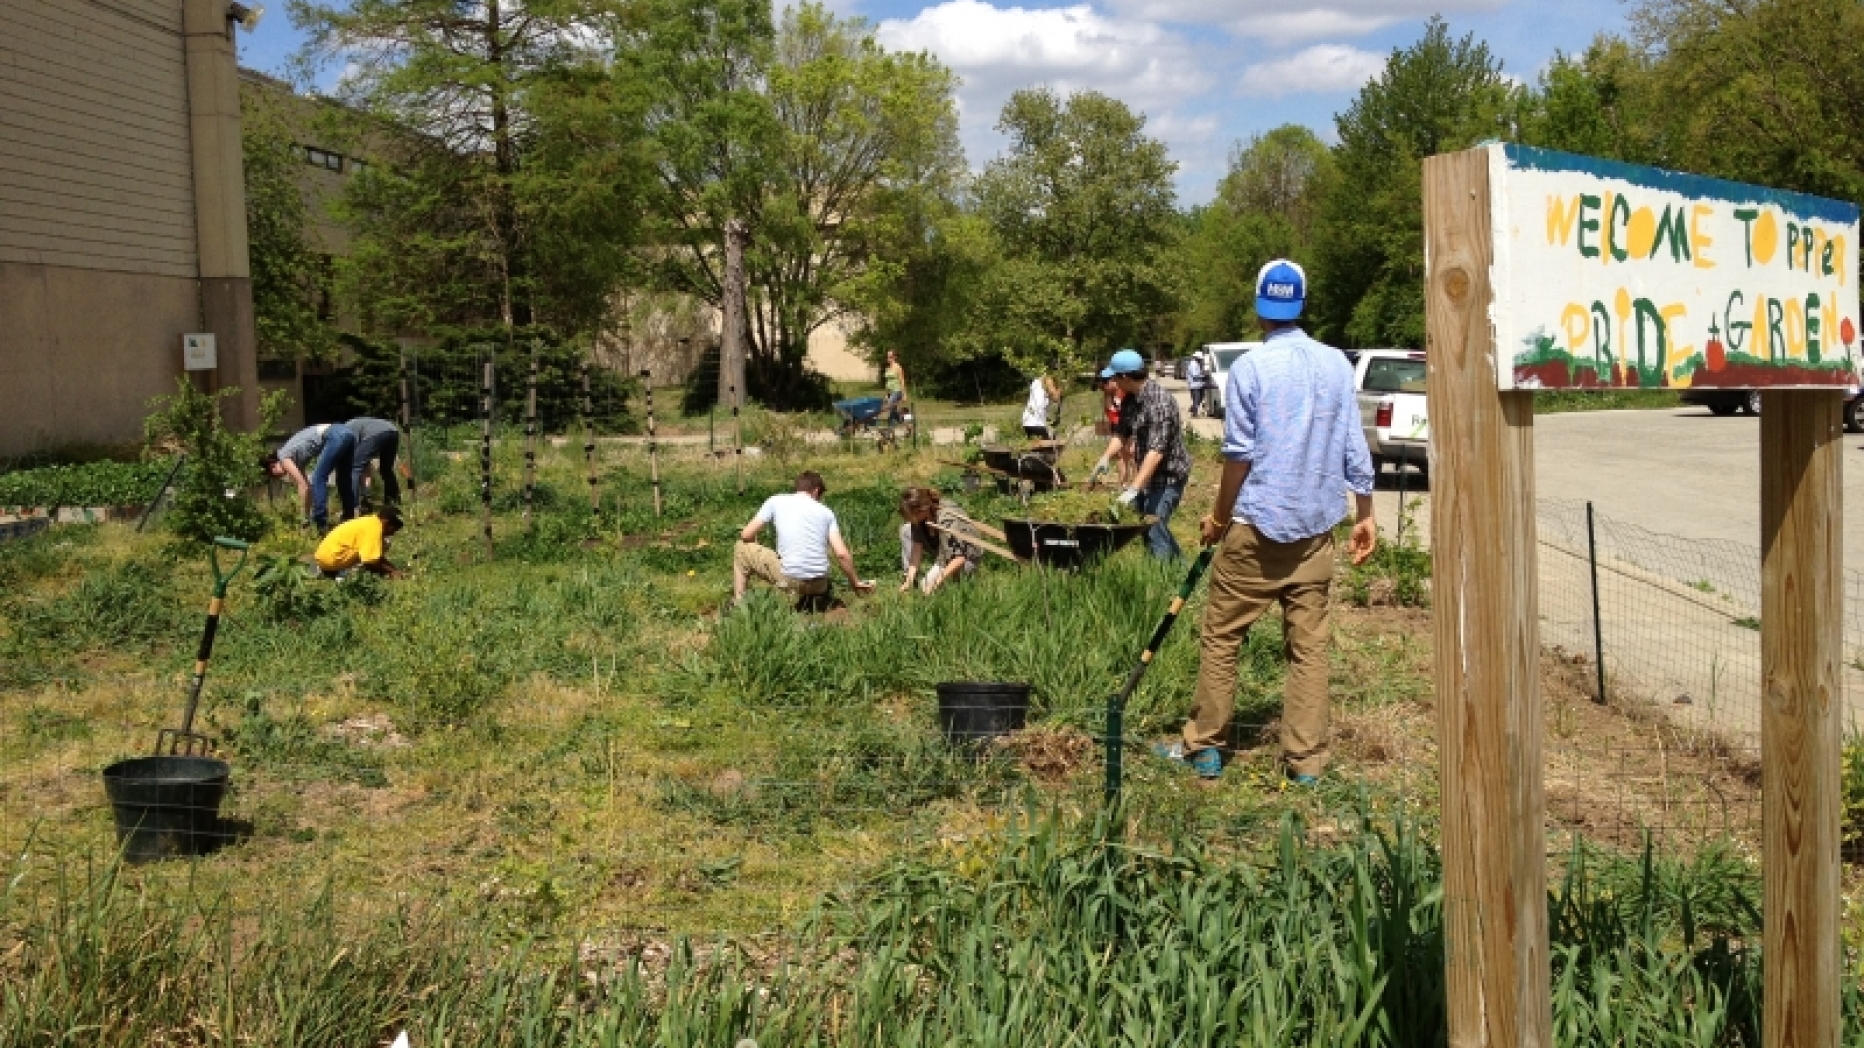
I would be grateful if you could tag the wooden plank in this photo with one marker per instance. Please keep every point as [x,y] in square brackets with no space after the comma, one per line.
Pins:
[1487,635]
[1801,654]
[981,543]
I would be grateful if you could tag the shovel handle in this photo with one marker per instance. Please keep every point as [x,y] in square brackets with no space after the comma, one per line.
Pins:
[213,557]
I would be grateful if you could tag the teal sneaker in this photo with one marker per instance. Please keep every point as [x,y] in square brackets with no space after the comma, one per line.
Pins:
[1303,780]
[1207,762]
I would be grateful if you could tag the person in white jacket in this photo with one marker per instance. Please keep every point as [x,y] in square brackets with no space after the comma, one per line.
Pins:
[1042,393]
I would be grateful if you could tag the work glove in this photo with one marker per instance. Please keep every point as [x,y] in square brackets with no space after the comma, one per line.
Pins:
[1127,497]
[1100,470]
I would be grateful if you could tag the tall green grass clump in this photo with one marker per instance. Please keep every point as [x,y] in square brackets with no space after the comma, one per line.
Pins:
[1063,934]
[1072,636]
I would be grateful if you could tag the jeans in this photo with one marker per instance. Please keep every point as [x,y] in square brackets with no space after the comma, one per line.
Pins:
[338,458]
[382,448]
[1162,502]
[1197,401]
[890,408]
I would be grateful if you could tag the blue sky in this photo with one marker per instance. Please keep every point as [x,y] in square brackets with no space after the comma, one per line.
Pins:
[1207,73]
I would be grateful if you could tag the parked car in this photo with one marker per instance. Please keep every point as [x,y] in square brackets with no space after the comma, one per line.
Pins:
[1221,355]
[1730,401]
[1392,407]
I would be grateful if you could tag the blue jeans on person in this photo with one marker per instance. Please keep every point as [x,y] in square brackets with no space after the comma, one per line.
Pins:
[338,458]
[380,448]
[1162,502]
[1197,401]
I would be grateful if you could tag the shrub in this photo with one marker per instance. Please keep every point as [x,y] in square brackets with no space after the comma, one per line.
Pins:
[89,484]
[1854,798]
[213,495]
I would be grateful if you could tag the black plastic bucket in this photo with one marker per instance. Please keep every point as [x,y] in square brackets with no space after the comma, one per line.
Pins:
[974,712]
[167,806]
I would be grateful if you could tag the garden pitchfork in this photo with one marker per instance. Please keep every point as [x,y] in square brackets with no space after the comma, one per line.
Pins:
[185,741]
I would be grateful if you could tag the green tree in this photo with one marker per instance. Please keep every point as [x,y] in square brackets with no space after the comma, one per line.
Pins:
[1083,212]
[1267,206]
[821,142]
[1439,95]
[1605,102]
[1765,91]
[497,197]
[285,270]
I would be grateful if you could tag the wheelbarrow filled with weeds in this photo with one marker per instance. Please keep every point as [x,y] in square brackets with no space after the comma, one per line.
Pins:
[168,804]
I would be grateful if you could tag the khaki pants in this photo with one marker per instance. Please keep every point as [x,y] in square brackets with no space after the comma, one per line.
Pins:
[761,563]
[1250,573]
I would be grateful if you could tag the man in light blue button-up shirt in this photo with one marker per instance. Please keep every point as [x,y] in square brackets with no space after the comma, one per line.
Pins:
[1292,449]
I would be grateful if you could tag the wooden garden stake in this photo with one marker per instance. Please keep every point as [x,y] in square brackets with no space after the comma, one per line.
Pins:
[737,438]
[588,447]
[485,447]
[406,464]
[1487,635]
[530,436]
[1802,682]
[653,449]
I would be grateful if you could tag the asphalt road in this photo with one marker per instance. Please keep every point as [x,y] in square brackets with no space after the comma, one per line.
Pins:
[1682,472]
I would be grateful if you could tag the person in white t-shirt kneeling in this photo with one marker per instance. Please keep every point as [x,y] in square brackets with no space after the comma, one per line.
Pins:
[807,536]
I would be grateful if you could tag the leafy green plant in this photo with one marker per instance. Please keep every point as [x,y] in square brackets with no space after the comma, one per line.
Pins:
[1853,800]
[212,497]
[1398,573]
[88,484]
[291,747]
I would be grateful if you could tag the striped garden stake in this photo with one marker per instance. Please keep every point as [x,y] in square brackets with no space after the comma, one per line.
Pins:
[653,449]
[485,447]
[588,446]
[737,438]
[1116,703]
[530,436]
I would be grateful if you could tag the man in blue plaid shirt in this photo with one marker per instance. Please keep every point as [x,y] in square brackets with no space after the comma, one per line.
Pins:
[1158,444]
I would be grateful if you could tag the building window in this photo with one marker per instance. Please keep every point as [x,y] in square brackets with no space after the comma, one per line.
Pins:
[356,166]
[323,158]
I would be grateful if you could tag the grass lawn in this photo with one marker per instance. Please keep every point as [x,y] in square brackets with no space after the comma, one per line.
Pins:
[557,797]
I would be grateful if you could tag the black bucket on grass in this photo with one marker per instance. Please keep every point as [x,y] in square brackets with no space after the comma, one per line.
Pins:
[167,807]
[974,712]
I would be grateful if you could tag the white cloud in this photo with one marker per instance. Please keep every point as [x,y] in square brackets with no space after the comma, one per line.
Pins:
[1277,20]
[998,50]
[1322,68]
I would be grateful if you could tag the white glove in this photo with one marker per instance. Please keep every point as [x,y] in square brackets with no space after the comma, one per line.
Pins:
[1100,470]
[1128,496]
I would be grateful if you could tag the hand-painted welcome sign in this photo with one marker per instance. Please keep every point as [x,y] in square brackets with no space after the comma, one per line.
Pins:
[1611,275]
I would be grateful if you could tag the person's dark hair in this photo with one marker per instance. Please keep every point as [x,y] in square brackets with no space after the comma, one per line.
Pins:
[809,482]
[267,461]
[390,517]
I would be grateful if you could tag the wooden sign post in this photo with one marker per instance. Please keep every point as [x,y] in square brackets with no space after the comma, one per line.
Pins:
[1551,271]
[1485,594]
[1802,615]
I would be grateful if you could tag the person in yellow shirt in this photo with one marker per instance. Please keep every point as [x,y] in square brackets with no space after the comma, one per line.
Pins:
[360,543]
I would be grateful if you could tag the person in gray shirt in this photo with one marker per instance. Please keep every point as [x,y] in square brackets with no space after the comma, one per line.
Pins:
[377,441]
[327,450]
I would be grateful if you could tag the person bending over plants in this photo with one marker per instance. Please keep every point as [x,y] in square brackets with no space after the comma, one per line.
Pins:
[360,543]
[929,525]
[330,450]
[807,536]
[377,443]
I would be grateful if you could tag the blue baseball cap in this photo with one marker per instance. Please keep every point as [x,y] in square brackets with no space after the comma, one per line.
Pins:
[1281,290]
[1125,362]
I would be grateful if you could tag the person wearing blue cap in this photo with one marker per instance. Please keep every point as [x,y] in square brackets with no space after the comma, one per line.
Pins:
[1292,449]
[1151,425]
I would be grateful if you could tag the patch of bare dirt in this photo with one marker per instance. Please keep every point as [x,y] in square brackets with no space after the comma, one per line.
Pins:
[1050,755]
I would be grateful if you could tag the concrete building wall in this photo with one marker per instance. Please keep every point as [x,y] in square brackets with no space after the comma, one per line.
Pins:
[122,215]
[98,252]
